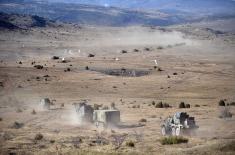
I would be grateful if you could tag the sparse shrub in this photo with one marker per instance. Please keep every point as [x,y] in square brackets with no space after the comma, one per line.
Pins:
[52,141]
[197,105]
[33,112]
[160,69]
[143,120]
[38,136]
[187,105]
[153,103]
[62,105]
[138,106]
[159,105]
[232,104]
[130,144]
[173,140]
[91,55]
[175,73]
[0,119]
[55,57]
[182,105]
[221,103]
[225,113]
[134,106]
[166,105]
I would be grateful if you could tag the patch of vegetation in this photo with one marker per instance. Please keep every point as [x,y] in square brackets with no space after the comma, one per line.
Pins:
[38,136]
[159,105]
[143,120]
[0,119]
[182,105]
[130,144]
[232,104]
[221,103]
[187,105]
[197,105]
[173,140]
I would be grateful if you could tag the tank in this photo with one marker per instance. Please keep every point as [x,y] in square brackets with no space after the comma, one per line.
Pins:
[106,118]
[178,124]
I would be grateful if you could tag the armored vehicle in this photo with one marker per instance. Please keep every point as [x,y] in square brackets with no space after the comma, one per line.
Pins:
[84,112]
[180,123]
[106,118]
[45,103]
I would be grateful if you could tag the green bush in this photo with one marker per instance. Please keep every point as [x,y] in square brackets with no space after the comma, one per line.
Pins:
[130,144]
[173,140]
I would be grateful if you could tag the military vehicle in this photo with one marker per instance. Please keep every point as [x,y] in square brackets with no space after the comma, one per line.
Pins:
[84,112]
[180,123]
[45,103]
[106,118]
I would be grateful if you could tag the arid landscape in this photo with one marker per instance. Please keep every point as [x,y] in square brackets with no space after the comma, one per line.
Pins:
[133,67]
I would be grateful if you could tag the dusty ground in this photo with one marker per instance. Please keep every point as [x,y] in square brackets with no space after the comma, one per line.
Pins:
[205,69]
